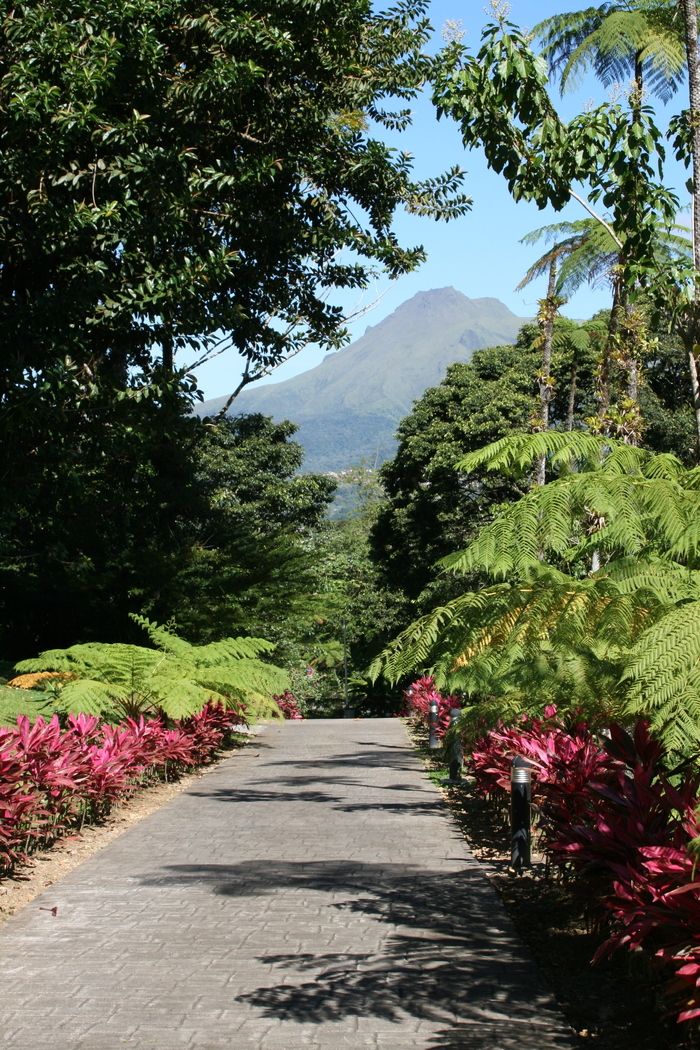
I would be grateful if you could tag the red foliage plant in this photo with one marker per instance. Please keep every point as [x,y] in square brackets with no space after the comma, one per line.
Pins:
[417,700]
[614,819]
[54,778]
[288,705]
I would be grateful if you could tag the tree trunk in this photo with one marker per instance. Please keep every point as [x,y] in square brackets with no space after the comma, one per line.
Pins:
[690,16]
[168,353]
[548,313]
[604,370]
[571,407]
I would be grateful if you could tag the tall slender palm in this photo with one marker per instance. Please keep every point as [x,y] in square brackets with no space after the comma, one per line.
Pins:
[691,335]
[585,253]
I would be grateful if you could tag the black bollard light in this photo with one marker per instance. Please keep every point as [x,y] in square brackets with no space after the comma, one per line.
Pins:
[520,798]
[433,740]
[456,756]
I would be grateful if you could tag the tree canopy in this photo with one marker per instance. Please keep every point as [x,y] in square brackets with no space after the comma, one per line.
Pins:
[176,179]
[432,508]
[169,171]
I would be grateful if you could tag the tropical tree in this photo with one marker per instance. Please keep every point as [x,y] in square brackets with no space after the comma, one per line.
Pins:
[252,525]
[622,640]
[157,512]
[687,144]
[584,251]
[499,97]
[654,42]
[169,172]
[638,40]
[432,508]
[174,180]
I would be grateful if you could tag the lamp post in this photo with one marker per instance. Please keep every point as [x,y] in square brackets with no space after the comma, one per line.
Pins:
[520,798]
[433,741]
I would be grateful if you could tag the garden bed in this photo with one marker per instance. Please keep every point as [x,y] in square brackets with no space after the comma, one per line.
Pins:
[614,1005]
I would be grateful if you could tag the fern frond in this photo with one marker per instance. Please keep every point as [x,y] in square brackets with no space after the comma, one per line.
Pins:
[517,452]
[663,673]
[161,638]
[15,702]
[91,697]
[668,581]
[608,40]
[218,653]
[247,676]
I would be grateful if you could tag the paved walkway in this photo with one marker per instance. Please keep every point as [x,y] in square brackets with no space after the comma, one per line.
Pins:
[309,892]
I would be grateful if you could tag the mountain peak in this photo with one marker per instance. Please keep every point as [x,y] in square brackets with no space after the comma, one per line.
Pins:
[348,407]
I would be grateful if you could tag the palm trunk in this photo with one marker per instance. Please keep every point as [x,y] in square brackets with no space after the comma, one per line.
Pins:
[633,379]
[690,16]
[632,346]
[548,312]
[604,370]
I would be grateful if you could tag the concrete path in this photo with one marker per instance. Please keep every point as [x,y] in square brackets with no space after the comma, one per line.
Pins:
[310,892]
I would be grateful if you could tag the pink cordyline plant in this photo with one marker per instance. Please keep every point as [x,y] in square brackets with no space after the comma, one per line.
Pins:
[616,822]
[53,779]
[418,698]
[288,705]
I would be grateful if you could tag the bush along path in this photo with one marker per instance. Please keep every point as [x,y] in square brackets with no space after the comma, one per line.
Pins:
[618,828]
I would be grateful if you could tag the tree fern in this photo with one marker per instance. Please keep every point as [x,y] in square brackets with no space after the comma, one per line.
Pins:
[617,40]
[662,674]
[609,497]
[624,638]
[176,678]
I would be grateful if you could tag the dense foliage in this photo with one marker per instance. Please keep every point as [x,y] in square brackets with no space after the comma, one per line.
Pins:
[170,170]
[591,590]
[433,508]
[205,523]
[249,566]
[173,679]
[175,180]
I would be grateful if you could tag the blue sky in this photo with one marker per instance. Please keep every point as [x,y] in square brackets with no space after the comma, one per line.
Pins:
[479,254]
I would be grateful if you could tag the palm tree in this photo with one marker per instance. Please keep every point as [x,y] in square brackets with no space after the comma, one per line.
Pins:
[691,335]
[583,252]
[587,253]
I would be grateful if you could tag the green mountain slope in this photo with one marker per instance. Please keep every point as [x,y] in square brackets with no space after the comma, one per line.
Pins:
[348,407]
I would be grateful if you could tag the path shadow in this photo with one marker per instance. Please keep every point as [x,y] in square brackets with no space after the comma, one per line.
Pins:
[256,795]
[333,778]
[355,759]
[434,948]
